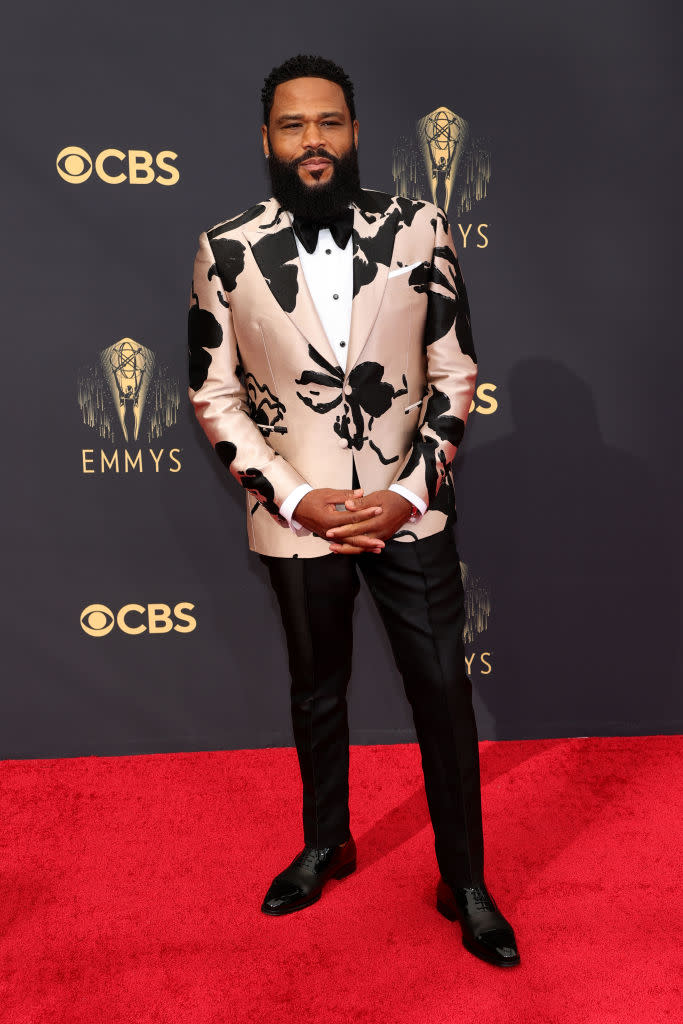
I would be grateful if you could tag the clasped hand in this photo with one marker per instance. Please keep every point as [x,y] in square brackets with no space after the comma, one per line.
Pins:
[367,522]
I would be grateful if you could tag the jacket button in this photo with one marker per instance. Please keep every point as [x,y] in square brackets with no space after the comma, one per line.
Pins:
[347,389]
[343,443]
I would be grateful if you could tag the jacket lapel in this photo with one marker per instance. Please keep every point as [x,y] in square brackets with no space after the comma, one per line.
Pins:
[374,230]
[272,244]
[276,255]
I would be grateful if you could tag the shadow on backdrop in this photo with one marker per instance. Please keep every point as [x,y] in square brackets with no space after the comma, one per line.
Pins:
[575,540]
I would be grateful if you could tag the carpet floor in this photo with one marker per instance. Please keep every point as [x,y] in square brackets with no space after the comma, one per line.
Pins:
[130,890]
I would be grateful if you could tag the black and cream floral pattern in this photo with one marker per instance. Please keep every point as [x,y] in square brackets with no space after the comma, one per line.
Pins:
[364,397]
[268,390]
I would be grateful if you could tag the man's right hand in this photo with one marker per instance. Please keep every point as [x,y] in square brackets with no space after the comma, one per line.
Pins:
[316,511]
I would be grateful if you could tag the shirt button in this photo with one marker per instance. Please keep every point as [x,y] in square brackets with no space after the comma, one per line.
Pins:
[343,443]
[342,344]
[328,251]
[335,296]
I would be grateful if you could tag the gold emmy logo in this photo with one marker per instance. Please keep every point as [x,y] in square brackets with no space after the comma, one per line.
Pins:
[128,396]
[133,619]
[477,604]
[441,161]
[477,612]
[442,136]
[113,166]
[128,367]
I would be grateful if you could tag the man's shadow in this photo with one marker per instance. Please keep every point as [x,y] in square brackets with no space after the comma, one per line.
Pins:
[578,543]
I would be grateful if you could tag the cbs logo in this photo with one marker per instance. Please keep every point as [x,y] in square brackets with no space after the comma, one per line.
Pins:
[133,619]
[113,166]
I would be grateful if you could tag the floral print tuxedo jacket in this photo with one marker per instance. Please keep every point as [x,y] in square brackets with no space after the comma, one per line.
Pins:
[268,390]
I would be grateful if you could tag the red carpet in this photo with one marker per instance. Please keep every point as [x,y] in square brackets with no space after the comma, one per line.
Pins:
[130,891]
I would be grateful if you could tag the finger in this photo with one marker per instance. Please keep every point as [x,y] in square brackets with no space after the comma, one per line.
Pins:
[357,525]
[376,539]
[346,518]
[342,533]
[341,496]
[354,503]
[353,549]
[362,540]
[348,505]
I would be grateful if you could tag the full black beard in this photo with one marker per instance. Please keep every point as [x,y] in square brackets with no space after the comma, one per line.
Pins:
[319,203]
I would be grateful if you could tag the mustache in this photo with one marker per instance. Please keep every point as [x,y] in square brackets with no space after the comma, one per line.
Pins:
[312,154]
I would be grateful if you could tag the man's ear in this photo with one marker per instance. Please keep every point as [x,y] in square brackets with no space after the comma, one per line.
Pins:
[264,133]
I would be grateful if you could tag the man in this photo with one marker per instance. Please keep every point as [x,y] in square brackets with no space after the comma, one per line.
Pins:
[332,368]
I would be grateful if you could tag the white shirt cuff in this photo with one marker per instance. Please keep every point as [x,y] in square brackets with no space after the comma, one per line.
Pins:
[291,501]
[419,504]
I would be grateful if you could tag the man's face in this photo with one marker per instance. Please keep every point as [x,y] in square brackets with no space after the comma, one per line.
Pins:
[309,124]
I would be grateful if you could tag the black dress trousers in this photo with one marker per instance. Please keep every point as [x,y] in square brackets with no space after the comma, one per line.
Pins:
[417,588]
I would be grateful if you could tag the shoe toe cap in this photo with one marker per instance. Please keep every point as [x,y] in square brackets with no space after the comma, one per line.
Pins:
[281,893]
[500,942]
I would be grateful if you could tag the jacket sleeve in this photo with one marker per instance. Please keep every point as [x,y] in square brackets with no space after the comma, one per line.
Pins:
[451,370]
[217,393]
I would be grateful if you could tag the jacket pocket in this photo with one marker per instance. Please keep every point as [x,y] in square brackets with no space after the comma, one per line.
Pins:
[404,270]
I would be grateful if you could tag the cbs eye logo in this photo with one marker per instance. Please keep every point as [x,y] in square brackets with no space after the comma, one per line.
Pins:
[97,620]
[133,619]
[113,166]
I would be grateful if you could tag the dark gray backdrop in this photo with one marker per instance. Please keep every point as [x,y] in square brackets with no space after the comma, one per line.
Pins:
[568,495]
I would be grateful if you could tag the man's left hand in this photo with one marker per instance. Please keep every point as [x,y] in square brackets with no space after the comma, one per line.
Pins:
[395,512]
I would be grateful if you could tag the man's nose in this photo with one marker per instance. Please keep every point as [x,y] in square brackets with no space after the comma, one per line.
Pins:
[311,137]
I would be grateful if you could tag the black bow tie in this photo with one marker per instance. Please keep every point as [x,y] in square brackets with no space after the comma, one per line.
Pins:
[340,229]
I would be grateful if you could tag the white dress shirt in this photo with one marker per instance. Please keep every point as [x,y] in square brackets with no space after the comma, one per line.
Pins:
[329,275]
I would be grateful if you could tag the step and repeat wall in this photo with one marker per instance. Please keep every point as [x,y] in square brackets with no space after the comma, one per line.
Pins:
[136,619]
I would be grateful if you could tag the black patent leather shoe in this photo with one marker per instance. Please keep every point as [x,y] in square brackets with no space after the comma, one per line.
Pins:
[302,882]
[485,932]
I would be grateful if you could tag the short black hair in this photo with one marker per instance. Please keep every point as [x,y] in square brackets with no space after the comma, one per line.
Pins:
[306,65]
